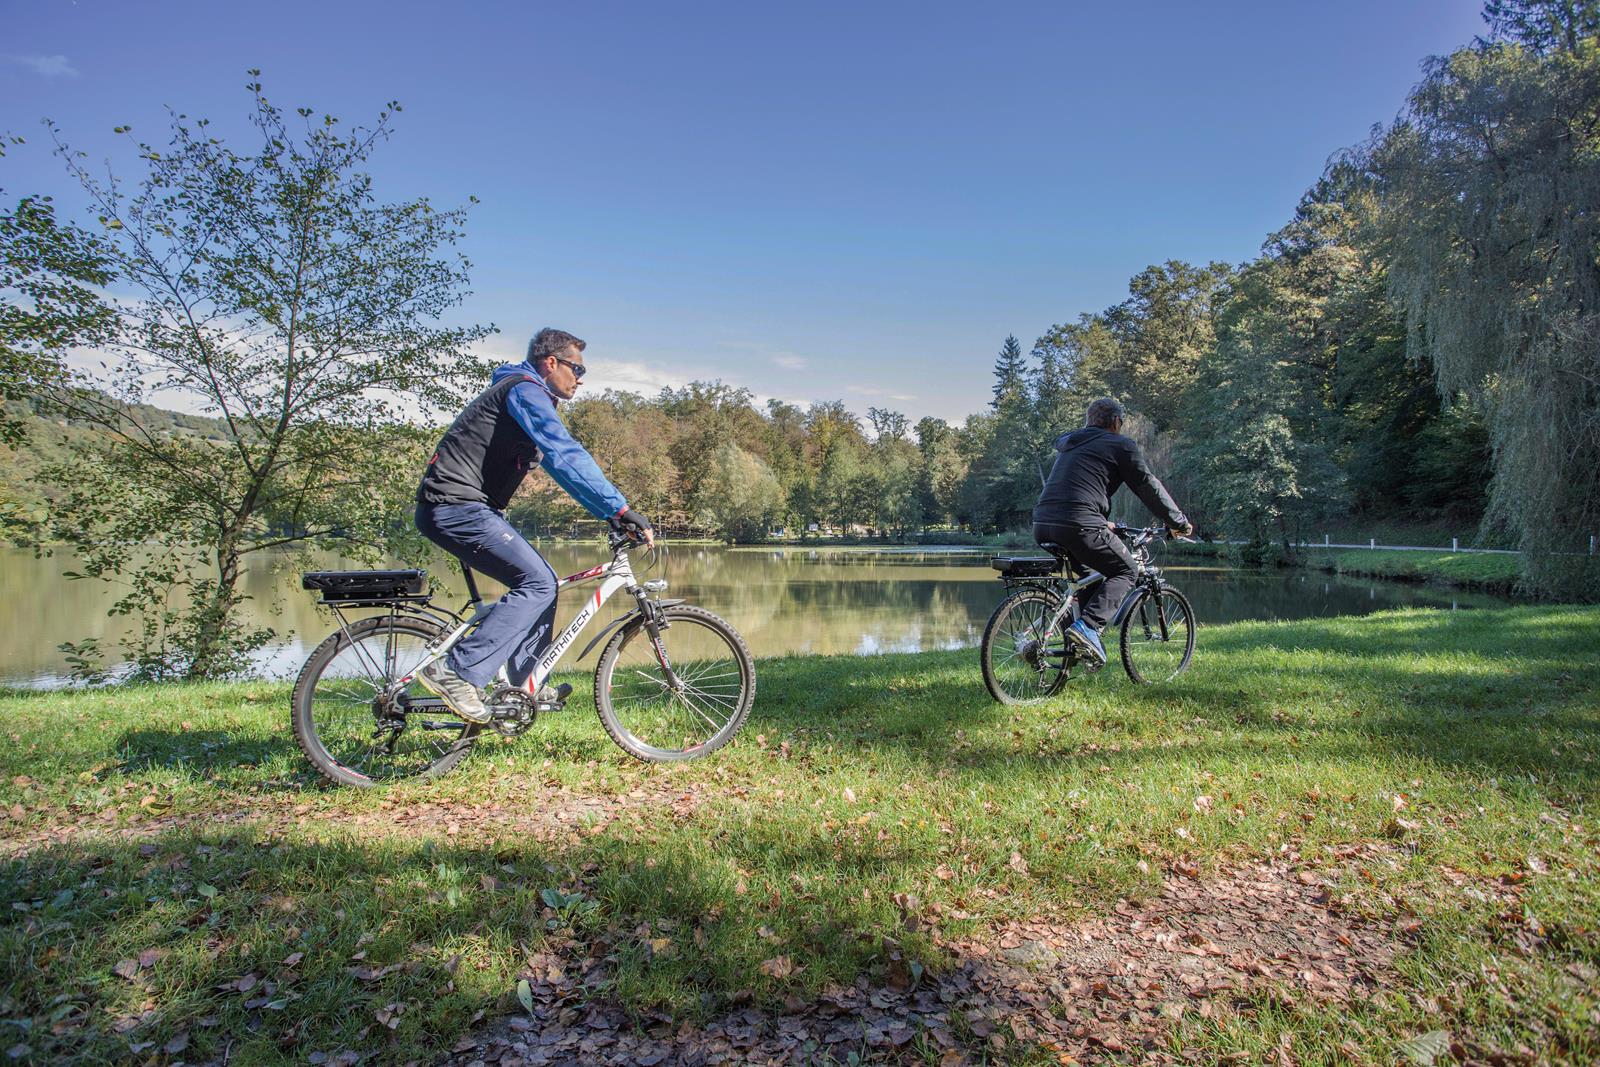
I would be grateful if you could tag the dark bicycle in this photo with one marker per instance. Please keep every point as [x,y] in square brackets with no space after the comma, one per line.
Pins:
[1026,656]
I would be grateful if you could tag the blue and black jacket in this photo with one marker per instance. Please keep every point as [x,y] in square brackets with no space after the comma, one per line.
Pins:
[497,439]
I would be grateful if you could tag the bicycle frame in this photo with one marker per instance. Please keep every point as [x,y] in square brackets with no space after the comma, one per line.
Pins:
[614,577]
[1147,577]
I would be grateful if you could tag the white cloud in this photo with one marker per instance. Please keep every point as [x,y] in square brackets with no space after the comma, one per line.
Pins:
[868,391]
[632,377]
[47,66]
[778,357]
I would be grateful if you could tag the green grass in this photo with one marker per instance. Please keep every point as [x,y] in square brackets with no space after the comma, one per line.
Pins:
[1493,572]
[855,779]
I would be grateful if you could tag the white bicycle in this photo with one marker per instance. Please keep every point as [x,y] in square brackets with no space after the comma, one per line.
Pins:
[362,719]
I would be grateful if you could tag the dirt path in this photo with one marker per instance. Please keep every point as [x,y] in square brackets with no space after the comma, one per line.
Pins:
[1104,990]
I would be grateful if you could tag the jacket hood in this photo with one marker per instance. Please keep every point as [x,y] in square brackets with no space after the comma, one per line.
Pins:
[505,370]
[1074,438]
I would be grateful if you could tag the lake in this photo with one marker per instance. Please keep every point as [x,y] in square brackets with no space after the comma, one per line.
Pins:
[860,601]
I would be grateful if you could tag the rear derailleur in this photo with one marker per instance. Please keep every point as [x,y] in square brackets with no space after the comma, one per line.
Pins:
[1057,655]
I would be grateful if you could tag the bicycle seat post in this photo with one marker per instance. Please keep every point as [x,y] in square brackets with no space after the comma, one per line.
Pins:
[472,586]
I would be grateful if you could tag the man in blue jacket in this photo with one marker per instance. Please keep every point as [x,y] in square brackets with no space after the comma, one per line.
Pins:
[461,505]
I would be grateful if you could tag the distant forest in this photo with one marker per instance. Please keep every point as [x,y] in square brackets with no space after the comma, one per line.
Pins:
[1272,397]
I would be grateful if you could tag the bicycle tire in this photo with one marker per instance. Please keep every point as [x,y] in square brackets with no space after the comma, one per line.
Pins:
[1144,639]
[651,722]
[327,707]
[1013,672]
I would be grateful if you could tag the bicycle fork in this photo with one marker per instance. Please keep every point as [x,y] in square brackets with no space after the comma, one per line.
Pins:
[652,627]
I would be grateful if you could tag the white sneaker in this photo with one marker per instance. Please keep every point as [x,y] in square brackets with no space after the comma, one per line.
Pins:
[458,694]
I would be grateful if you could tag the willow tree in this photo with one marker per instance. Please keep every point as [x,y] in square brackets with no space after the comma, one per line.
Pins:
[1488,187]
[270,288]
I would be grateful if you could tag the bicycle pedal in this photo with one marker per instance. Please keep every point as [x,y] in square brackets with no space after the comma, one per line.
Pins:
[554,699]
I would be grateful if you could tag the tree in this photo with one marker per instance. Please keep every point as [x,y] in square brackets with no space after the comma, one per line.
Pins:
[839,495]
[1251,471]
[891,484]
[1543,26]
[1487,187]
[277,293]
[1010,370]
[887,425]
[941,470]
[1164,327]
[739,495]
[632,440]
[49,273]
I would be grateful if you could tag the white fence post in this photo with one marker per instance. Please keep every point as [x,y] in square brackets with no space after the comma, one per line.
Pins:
[1372,542]
[1325,541]
[1454,545]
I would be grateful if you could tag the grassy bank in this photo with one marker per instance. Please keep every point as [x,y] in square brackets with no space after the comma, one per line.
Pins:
[176,885]
[1491,572]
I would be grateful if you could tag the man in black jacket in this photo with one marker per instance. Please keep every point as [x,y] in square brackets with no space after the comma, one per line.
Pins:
[1074,512]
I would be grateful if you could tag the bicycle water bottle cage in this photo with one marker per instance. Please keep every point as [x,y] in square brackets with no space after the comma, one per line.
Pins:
[368,588]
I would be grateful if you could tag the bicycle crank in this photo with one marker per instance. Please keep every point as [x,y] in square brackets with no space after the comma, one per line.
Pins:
[514,710]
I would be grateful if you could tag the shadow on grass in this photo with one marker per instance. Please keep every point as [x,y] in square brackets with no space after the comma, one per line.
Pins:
[225,758]
[245,945]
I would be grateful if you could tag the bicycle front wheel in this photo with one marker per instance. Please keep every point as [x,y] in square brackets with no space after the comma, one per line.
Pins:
[1024,661]
[656,720]
[352,722]
[1157,636]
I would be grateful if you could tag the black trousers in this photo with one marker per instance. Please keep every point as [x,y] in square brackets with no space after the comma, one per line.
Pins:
[1097,547]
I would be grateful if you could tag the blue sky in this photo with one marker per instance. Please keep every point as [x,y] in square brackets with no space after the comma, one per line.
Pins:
[817,201]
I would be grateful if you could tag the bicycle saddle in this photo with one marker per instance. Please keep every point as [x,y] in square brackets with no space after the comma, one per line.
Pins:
[1074,571]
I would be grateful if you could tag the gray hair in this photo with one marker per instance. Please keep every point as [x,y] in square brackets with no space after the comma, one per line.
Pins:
[548,342]
[1103,412]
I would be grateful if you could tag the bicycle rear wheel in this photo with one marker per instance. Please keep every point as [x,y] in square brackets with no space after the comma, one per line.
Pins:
[1157,636]
[1022,662]
[350,723]
[655,721]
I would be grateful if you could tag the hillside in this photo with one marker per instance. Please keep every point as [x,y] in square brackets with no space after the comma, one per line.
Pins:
[26,490]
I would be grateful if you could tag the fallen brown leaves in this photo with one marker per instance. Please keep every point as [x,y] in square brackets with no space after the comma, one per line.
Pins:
[1095,991]
[560,815]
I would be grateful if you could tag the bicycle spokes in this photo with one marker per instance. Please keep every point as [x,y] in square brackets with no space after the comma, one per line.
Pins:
[678,692]
[1158,636]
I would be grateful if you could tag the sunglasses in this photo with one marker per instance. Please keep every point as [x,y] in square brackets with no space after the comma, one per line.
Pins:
[577,369]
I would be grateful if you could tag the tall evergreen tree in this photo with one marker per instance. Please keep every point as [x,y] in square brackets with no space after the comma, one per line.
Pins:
[1010,371]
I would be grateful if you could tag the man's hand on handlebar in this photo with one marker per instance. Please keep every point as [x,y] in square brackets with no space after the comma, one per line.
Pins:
[634,525]
[1181,531]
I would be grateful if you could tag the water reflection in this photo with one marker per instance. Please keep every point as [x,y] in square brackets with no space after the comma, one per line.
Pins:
[784,600]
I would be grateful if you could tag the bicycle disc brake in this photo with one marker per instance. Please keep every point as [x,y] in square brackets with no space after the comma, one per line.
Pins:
[514,710]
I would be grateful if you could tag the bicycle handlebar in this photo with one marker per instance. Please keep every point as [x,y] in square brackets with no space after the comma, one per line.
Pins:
[1143,535]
